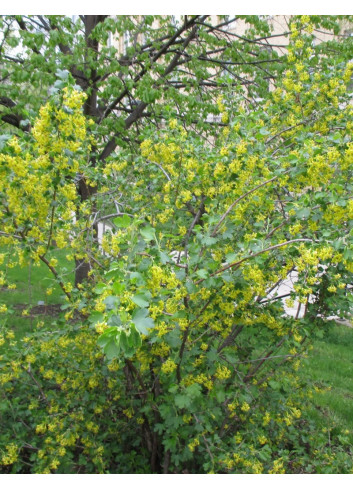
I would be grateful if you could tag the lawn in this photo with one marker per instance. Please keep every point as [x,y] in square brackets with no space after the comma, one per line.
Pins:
[30,294]
[33,281]
[329,368]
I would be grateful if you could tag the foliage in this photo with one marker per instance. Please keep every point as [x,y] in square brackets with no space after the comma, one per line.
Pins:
[39,197]
[181,360]
[74,413]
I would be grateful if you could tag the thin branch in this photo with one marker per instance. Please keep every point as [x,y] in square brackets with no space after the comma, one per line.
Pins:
[51,222]
[37,383]
[237,263]
[275,298]
[110,216]
[56,275]
[161,168]
[162,51]
[111,145]
[230,208]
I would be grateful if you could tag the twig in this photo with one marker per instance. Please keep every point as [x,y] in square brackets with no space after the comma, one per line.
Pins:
[37,384]
[230,208]
[205,441]
[234,264]
[161,168]
[56,275]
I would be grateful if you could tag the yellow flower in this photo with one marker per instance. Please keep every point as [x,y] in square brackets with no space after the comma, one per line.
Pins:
[223,372]
[193,444]
[262,439]
[168,366]
[266,419]
[245,407]
[225,117]
[11,456]
[53,262]
[54,464]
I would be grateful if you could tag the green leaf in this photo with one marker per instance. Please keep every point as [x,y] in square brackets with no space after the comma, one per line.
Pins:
[142,321]
[164,257]
[185,399]
[202,273]
[109,341]
[209,241]
[122,221]
[62,74]
[302,213]
[148,233]
[264,131]
[136,278]
[3,139]
[182,401]
[100,288]
[112,348]
[230,257]
[24,122]
[111,302]
[274,384]
[118,288]
[135,337]
[114,320]
[140,300]
[96,317]
[106,336]
[193,390]
[220,396]
[173,389]
[125,344]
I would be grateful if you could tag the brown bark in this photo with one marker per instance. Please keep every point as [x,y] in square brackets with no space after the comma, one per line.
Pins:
[85,191]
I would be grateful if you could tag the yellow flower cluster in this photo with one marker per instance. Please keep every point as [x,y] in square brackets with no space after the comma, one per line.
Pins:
[222,372]
[11,454]
[168,366]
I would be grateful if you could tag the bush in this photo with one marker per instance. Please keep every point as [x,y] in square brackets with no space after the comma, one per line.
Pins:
[199,366]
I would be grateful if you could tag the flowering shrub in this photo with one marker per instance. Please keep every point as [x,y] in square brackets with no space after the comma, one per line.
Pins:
[72,412]
[181,362]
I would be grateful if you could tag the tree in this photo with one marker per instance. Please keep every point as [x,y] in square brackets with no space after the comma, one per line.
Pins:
[167,68]
[210,221]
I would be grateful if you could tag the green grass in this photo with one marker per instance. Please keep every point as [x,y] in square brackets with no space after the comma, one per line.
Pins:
[330,368]
[23,326]
[33,281]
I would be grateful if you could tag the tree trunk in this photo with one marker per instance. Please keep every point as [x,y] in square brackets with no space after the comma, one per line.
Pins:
[83,267]
[81,271]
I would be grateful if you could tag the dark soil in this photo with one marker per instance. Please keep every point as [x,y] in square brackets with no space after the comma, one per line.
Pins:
[47,309]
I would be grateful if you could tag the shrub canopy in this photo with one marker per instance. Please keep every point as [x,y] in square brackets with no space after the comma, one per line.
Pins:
[180,359]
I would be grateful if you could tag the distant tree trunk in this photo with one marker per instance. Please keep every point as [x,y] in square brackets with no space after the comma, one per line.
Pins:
[85,191]
[81,271]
